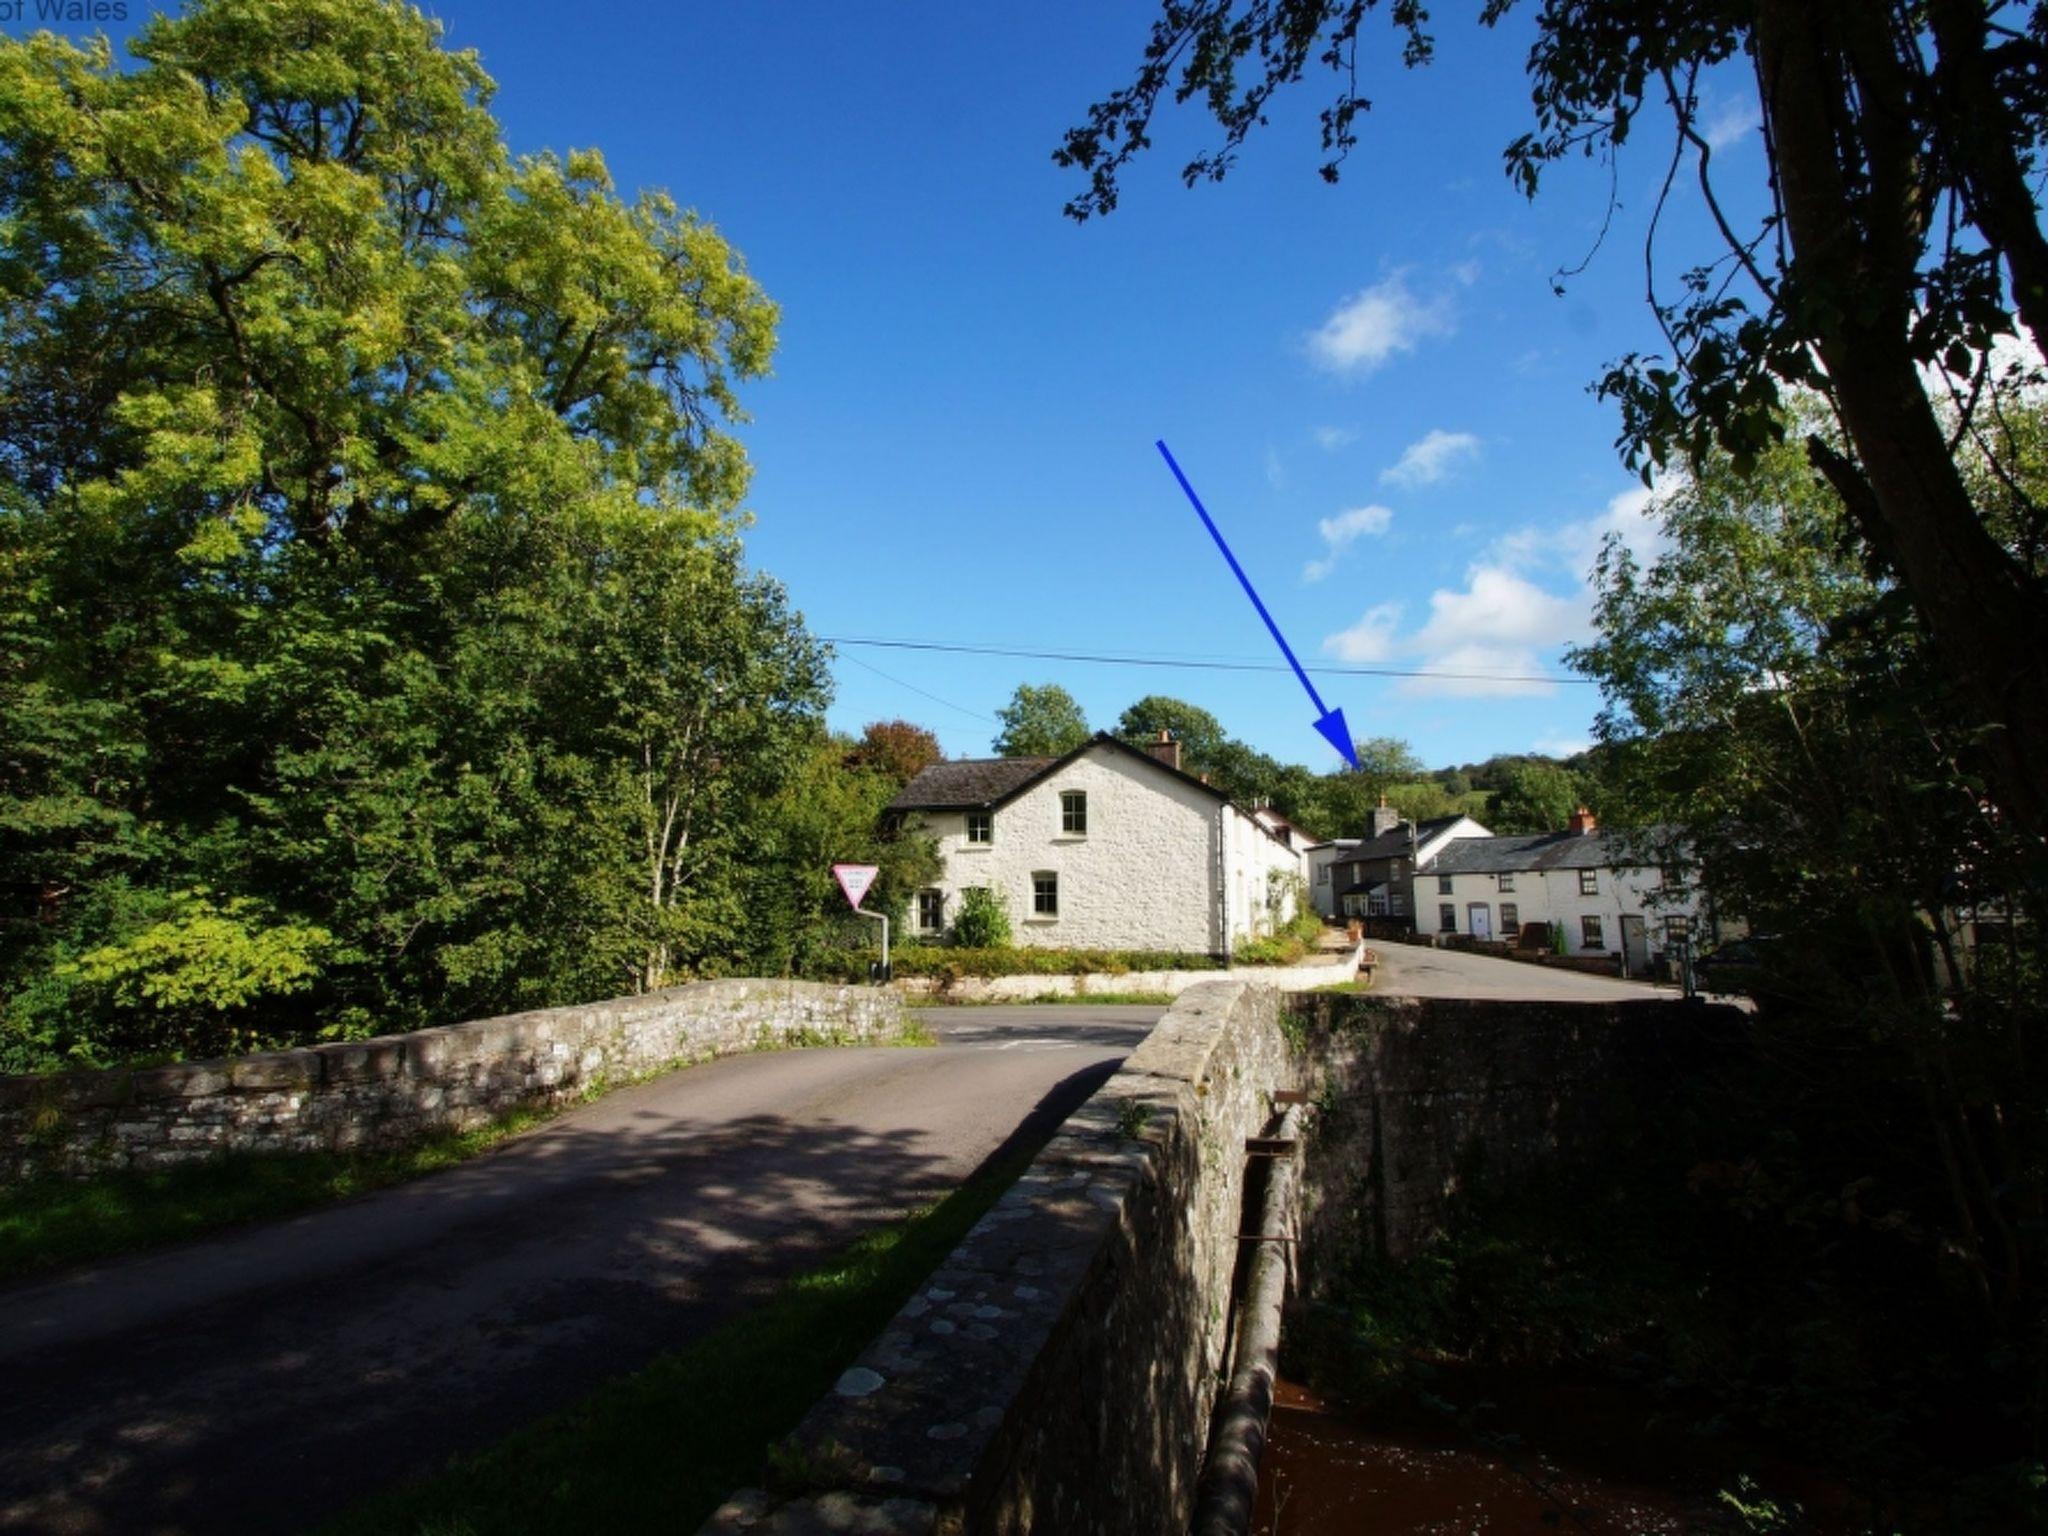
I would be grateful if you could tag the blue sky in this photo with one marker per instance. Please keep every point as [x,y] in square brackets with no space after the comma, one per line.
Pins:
[1372,385]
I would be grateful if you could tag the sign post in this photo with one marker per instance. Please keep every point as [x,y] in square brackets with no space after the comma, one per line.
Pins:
[854,880]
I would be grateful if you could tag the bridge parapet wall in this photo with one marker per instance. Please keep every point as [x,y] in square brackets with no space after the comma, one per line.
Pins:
[1057,1371]
[400,1088]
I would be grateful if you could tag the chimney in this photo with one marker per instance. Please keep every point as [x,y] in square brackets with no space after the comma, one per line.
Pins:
[1384,818]
[1583,822]
[1166,749]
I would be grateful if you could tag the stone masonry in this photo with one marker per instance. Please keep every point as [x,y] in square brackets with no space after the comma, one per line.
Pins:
[1055,1374]
[397,1089]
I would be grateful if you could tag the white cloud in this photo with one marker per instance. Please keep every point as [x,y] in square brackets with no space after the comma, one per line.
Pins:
[1467,272]
[1528,594]
[1573,548]
[1276,472]
[1731,122]
[1371,638]
[1341,532]
[1330,439]
[1374,324]
[1561,746]
[1431,458]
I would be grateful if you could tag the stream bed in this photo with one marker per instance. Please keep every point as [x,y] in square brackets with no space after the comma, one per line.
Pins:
[1533,1458]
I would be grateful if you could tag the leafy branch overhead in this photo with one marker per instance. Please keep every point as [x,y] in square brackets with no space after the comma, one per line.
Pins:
[1899,245]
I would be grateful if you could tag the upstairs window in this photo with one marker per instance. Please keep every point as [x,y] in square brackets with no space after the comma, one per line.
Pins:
[1507,881]
[981,827]
[1589,882]
[1323,875]
[1074,812]
[1443,885]
[1045,894]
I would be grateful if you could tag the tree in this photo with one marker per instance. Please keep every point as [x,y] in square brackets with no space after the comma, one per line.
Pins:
[1040,721]
[1384,761]
[1783,709]
[376,646]
[1903,237]
[1534,796]
[1199,733]
[897,750]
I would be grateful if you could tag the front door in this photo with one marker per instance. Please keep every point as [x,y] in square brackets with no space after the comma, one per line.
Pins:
[1635,947]
[1479,918]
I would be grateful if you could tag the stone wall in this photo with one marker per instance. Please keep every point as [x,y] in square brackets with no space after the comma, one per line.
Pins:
[396,1089]
[1321,969]
[1416,1095]
[1055,1374]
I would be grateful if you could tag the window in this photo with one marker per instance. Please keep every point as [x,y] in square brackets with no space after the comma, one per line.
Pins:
[981,826]
[1323,875]
[1397,903]
[1045,894]
[1589,882]
[1589,929]
[1376,904]
[931,911]
[1507,881]
[1443,885]
[1677,929]
[1074,811]
[1446,918]
[1510,920]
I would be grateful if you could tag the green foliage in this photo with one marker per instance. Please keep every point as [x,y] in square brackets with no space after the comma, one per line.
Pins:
[982,921]
[1199,733]
[368,552]
[1040,721]
[1534,796]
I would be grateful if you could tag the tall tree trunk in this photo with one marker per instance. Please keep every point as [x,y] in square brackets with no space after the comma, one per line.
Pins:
[1988,619]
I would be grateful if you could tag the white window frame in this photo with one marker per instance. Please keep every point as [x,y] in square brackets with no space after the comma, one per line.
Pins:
[988,827]
[1589,882]
[1507,881]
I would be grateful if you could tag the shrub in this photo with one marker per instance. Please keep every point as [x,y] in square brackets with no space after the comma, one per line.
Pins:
[983,921]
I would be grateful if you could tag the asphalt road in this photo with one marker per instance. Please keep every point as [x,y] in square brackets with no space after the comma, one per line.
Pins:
[260,1380]
[1409,970]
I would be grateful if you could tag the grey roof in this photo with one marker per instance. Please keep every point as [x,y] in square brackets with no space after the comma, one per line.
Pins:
[1552,850]
[987,782]
[1395,840]
[967,783]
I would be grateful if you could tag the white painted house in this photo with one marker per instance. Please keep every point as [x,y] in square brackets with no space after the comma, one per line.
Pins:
[1109,847]
[1619,894]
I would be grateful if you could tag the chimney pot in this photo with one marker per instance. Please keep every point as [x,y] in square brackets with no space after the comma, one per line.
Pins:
[1166,750]
[1583,822]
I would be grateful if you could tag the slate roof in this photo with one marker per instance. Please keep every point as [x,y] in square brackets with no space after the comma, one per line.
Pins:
[985,783]
[1394,842]
[1551,850]
[968,783]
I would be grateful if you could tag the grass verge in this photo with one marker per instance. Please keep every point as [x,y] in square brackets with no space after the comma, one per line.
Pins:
[1045,999]
[659,1449]
[49,1223]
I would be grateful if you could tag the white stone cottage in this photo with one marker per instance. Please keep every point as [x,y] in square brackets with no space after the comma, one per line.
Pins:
[1622,894]
[1109,847]
[1374,876]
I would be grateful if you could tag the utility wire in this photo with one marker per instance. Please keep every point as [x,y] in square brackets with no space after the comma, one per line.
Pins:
[885,677]
[1193,663]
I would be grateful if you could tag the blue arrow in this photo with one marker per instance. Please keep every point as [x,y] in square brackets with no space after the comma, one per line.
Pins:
[1329,721]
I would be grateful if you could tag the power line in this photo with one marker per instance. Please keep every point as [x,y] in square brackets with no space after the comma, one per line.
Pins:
[887,678]
[1194,663]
